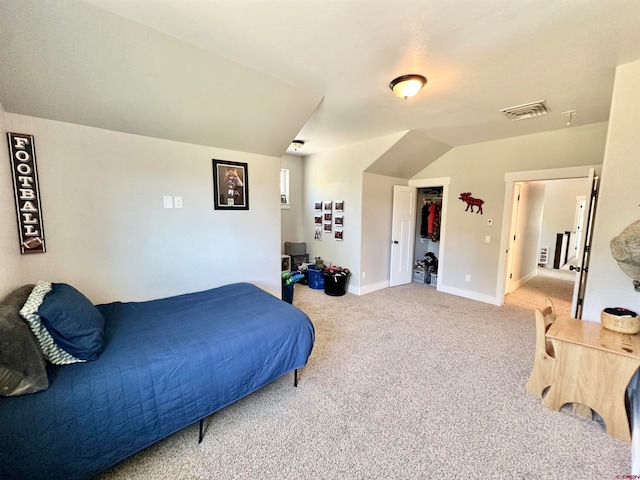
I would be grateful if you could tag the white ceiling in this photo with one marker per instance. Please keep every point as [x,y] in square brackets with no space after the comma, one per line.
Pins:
[479,56]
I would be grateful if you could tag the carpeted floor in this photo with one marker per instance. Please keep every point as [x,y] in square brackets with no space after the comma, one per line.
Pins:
[555,284]
[403,383]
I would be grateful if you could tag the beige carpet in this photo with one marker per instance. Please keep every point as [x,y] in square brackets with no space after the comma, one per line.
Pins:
[552,283]
[403,383]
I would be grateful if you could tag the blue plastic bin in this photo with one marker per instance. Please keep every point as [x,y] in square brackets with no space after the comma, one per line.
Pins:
[316,278]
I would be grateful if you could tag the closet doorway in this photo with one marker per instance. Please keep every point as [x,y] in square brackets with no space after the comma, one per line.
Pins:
[434,190]
[428,232]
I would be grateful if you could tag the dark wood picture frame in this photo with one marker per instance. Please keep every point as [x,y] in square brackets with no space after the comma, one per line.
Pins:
[230,185]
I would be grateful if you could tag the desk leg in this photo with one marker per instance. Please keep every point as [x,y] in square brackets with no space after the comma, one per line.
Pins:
[594,378]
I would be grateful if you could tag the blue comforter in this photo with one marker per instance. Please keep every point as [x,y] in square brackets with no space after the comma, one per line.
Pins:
[166,364]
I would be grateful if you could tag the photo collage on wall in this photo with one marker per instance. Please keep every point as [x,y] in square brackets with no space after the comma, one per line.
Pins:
[329,219]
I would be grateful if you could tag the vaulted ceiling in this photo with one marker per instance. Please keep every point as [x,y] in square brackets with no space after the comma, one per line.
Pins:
[252,75]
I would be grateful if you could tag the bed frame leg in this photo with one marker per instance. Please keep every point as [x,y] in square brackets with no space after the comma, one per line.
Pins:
[201,433]
[295,377]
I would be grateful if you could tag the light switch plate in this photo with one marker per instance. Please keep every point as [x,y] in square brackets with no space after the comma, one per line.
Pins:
[168,201]
[177,202]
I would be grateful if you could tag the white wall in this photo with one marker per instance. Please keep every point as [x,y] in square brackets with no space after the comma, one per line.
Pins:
[559,211]
[338,175]
[481,169]
[529,224]
[292,217]
[619,200]
[377,213]
[107,232]
[11,274]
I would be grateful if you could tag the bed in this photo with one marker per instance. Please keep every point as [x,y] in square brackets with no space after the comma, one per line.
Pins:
[164,365]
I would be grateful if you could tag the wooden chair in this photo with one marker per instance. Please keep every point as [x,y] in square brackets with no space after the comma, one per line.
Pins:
[544,358]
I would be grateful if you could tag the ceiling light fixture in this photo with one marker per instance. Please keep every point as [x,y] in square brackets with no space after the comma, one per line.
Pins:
[570,114]
[296,144]
[407,86]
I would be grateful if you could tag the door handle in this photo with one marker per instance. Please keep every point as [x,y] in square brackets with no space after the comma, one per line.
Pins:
[577,269]
[395,241]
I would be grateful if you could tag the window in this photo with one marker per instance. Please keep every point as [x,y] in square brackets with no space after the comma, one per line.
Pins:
[284,188]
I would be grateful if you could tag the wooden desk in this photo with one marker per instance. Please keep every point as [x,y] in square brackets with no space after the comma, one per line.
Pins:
[593,367]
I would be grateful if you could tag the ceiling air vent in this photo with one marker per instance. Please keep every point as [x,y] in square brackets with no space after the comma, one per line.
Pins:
[527,110]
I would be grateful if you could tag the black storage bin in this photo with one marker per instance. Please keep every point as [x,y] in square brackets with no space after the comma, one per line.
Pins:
[335,285]
[287,292]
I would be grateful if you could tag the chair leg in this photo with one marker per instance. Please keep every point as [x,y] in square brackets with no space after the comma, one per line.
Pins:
[201,433]
[295,377]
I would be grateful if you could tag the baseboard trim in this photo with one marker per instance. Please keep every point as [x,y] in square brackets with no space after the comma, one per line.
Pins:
[480,297]
[371,288]
[523,280]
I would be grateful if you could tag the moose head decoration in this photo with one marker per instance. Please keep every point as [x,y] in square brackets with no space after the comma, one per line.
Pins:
[471,202]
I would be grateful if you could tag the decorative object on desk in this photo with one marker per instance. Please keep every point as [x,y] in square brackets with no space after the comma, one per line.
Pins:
[620,320]
[625,249]
[471,202]
[335,280]
[230,185]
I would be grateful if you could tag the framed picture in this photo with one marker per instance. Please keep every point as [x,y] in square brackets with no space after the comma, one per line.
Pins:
[337,234]
[318,234]
[230,185]
[327,217]
[318,219]
[328,206]
[339,205]
[327,227]
[317,206]
[339,219]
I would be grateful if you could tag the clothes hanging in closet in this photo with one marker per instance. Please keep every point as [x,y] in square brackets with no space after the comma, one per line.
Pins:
[430,226]
[424,227]
[435,218]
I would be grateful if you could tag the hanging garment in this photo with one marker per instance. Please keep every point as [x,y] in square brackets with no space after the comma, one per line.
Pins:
[435,230]
[431,218]
[424,231]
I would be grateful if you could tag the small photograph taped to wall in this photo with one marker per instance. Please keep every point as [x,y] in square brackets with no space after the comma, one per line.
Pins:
[317,206]
[318,219]
[339,219]
[327,217]
[337,234]
[318,234]
[339,205]
[328,206]
[327,227]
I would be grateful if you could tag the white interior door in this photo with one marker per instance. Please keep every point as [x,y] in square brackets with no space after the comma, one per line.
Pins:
[584,249]
[513,237]
[579,221]
[402,232]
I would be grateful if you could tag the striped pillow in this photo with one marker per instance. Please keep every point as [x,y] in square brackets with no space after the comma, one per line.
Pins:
[29,312]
